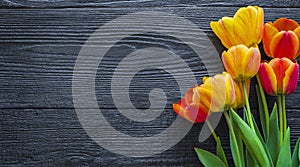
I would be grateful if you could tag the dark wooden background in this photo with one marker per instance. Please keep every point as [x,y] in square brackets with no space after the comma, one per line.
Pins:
[39,43]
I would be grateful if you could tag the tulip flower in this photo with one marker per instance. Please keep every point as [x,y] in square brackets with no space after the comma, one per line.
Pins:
[245,27]
[241,62]
[279,76]
[194,112]
[214,95]
[282,38]
[220,90]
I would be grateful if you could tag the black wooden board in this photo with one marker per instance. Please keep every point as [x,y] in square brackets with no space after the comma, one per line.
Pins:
[39,44]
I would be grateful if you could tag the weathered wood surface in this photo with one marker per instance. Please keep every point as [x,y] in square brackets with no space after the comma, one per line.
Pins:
[39,44]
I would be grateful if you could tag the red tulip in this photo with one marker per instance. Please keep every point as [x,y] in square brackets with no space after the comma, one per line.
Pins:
[282,38]
[279,76]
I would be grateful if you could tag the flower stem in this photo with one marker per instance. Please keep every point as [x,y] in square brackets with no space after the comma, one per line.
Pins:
[212,130]
[247,105]
[280,118]
[264,102]
[284,114]
[235,145]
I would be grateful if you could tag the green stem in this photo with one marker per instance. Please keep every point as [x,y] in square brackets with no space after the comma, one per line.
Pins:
[284,114]
[264,102]
[235,145]
[212,130]
[248,106]
[280,118]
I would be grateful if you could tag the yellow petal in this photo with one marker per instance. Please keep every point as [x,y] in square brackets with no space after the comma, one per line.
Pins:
[297,32]
[268,78]
[224,31]
[291,79]
[268,34]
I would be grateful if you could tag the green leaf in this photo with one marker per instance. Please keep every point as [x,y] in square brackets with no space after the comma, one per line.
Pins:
[220,152]
[262,140]
[284,158]
[250,162]
[273,139]
[296,154]
[251,140]
[264,118]
[208,159]
[239,142]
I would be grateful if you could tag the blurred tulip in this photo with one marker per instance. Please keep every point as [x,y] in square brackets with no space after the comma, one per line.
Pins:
[241,63]
[282,38]
[245,27]
[279,76]
[215,94]
[194,112]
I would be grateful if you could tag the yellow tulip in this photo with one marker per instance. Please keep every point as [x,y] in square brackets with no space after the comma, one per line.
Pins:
[214,95]
[241,62]
[217,92]
[245,27]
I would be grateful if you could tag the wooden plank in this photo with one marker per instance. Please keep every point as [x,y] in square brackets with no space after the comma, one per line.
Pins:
[42,137]
[39,48]
[143,3]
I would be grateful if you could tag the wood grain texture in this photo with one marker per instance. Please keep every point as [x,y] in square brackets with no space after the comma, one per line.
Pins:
[39,49]
[54,137]
[39,44]
[143,3]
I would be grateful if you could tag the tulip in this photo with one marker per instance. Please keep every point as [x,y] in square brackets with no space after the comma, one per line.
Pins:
[245,27]
[282,38]
[214,95]
[241,63]
[193,112]
[279,76]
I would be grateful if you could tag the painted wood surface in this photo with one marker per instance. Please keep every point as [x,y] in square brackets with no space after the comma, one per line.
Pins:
[40,42]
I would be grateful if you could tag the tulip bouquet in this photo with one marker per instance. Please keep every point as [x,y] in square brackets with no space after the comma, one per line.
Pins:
[269,145]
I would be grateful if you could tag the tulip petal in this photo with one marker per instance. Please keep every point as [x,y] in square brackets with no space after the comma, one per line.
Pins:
[259,24]
[188,97]
[202,95]
[251,62]
[268,78]
[291,79]
[268,33]
[178,109]
[196,113]
[279,68]
[250,19]
[297,32]
[284,24]
[224,31]
[284,44]
[229,62]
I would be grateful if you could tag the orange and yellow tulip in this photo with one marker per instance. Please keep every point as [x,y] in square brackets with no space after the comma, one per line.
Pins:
[214,95]
[282,38]
[279,76]
[245,27]
[193,112]
[241,62]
